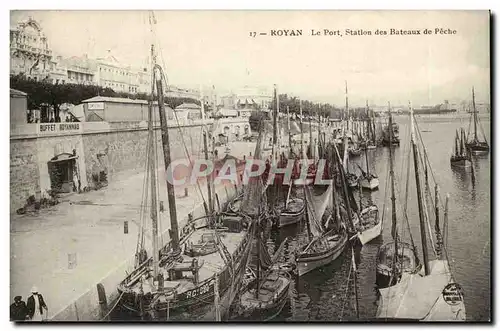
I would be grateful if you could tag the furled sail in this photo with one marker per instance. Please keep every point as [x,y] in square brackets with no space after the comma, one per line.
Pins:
[259,255]
[434,297]
[253,194]
[316,207]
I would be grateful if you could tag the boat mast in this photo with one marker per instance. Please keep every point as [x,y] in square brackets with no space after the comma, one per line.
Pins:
[394,231]
[311,137]
[475,114]
[152,169]
[319,130]
[346,106]
[367,165]
[174,227]
[275,124]
[289,133]
[419,197]
[301,131]
[258,258]
[345,161]
[205,147]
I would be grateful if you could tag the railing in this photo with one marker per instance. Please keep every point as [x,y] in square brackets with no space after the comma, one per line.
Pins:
[72,128]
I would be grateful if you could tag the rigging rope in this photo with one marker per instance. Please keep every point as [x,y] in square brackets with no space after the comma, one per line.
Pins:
[346,291]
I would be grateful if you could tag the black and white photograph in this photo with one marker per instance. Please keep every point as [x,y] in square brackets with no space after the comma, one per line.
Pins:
[250,166]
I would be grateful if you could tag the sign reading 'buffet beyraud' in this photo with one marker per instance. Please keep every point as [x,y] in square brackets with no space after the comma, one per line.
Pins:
[50,128]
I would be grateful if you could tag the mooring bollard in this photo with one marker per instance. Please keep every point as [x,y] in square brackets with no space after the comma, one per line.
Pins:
[103,302]
[71,260]
[125,227]
[185,191]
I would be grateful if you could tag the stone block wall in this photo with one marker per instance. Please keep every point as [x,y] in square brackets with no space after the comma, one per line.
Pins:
[124,150]
[24,172]
[116,148]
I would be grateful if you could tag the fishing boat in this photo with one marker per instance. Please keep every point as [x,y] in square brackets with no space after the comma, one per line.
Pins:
[390,133]
[388,272]
[370,226]
[371,141]
[324,245]
[368,179]
[171,284]
[475,145]
[428,293]
[460,157]
[267,289]
[291,211]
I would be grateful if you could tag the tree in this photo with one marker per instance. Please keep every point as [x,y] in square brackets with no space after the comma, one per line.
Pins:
[42,94]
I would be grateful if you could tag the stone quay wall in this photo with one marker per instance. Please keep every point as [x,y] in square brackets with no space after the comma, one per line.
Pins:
[113,148]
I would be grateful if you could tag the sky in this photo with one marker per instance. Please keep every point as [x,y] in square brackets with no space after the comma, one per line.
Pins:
[215,48]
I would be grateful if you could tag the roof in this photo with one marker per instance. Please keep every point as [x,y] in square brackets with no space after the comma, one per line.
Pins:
[188,106]
[116,100]
[17,93]
[227,112]
[121,100]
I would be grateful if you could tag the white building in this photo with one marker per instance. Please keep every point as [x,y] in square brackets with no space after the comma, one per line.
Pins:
[260,96]
[29,51]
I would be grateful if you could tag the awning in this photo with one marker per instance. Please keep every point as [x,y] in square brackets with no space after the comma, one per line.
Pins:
[63,157]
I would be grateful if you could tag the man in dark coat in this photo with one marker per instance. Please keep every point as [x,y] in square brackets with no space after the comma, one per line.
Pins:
[36,305]
[18,310]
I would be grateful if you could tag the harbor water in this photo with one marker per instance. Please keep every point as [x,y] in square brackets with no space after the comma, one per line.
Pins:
[323,295]
[327,294]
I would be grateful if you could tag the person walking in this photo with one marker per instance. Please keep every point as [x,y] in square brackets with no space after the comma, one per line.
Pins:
[36,305]
[18,310]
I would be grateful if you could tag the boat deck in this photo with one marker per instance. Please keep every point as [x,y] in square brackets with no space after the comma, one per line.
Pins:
[272,286]
[208,265]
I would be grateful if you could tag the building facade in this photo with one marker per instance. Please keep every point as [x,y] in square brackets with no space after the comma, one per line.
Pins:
[29,51]
[262,97]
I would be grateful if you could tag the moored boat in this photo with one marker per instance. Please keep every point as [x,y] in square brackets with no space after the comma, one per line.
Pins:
[368,179]
[291,212]
[370,226]
[413,292]
[461,157]
[475,145]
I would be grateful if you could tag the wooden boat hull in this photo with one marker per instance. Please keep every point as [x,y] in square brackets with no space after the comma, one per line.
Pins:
[354,152]
[478,147]
[460,162]
[308,262]
[195,304]
[395,142]
[385,275]
[265,310]
[369,234]
[289,218]
[369,184]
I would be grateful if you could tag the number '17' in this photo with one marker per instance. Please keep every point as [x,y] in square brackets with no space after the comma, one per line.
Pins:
[253,34]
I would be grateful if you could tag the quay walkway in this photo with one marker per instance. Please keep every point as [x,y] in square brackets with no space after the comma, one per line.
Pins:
[68,249]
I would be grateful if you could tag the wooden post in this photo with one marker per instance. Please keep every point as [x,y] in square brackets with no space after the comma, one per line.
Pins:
[217,299]
[355,281]
[103,302]
[445,222]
